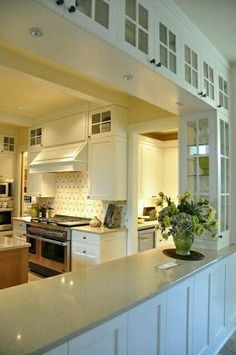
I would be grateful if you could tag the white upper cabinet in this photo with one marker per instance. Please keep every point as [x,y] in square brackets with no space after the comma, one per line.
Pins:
[66,130]
[222,89]
[96,16]
[108,120]
[107,168]
[35,140]
[191,64]
[135,28]
[167,44]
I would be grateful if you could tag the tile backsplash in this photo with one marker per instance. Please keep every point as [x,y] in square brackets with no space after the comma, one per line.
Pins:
[71,198]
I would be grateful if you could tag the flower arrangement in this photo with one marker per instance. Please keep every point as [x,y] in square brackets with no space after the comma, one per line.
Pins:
[187,217]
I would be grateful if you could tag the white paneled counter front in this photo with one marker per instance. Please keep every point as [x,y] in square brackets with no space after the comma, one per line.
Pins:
[124,307]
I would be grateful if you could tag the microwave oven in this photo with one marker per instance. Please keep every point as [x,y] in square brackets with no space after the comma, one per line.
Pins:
[6,188]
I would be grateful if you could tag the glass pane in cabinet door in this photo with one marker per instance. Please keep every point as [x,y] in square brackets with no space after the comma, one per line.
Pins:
[221,99]
[106,116]
[96,118]
[192,133]
[187,55]
[106,127]
[211,75]
[194,60]
[96,129]
[85,6]
[220,83]
[211,91]
[172,41]
[226,105]
[192,166]
[163,34]
[226,139]
[38,140]
[222,219]
[130,32]
[227,175]
[225,87]
[130,9]
[203,131]
[143,17]
[194,79]
[204,166]
[143,41]
[222,164]
[227,209]
[192,184]
[163,56]
[32,141]
[172,62]
[222,138]
[206,87]
[203,184]
[102,13]
[187,74]
[205,68]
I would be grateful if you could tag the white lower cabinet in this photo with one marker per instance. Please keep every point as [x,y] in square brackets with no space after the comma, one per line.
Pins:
[231,291]
[109,338]
[194,317]
[202,312]
[219,302]
[147,327]
[179,316]
[91,248]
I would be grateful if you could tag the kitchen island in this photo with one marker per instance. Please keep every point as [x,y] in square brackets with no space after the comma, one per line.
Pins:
[124,307]
[13,262]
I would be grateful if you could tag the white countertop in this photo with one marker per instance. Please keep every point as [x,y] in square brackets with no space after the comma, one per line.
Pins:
[12,243]
[38,316]
[148,224]
[98,230]
[23,219]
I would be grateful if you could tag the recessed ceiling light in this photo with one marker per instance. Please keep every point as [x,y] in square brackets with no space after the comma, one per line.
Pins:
[128,77]
[36,32]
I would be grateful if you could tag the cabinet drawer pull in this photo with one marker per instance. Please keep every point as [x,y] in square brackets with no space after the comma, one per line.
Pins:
[84,237]
[84,251]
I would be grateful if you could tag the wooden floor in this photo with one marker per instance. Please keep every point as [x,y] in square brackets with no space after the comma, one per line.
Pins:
[230,347]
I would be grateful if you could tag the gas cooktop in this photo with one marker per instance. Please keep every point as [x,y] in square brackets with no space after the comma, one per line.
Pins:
[65,221]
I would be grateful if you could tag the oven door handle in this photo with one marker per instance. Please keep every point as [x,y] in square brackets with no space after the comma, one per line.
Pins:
[64,244]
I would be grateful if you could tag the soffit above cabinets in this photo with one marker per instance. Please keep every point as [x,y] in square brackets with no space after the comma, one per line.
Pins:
[105,65]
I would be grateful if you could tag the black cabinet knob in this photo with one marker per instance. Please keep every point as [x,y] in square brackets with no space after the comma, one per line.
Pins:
[72,9]
[84,251]
[219,105]
[158,64]
[153,61]
[84,237]
[204,95]
[60,2]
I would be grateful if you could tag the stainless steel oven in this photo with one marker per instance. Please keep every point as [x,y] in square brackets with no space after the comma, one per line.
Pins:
[6,219]
[50,239]
[49,253]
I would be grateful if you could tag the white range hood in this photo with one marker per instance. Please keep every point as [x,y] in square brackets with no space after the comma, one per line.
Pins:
[69,157]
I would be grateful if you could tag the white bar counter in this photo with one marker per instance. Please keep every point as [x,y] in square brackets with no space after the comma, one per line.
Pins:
[41,315]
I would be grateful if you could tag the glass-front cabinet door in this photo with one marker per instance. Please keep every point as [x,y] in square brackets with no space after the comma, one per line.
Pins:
[205,165]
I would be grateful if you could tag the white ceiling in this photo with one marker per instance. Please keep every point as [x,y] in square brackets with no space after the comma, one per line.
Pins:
[217,20]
